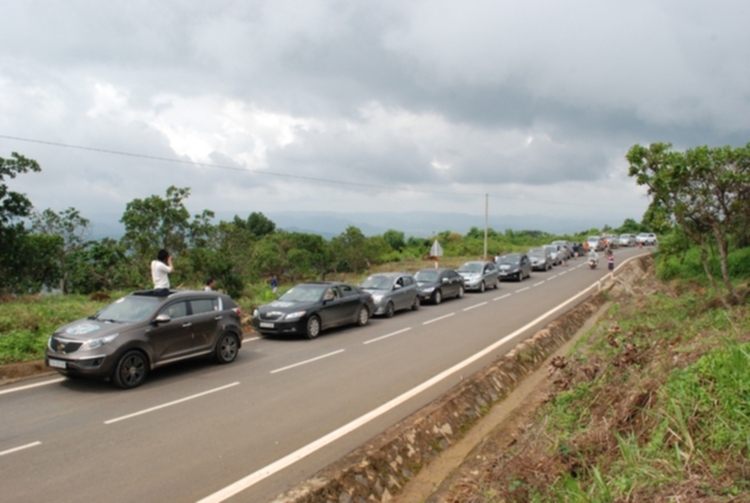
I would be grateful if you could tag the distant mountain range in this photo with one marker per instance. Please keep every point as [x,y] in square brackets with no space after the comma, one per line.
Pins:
[420,224]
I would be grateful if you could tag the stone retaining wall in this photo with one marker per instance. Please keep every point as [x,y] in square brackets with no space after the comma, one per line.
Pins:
[379,469]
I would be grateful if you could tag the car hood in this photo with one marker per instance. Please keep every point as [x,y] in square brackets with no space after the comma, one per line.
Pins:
[85,329]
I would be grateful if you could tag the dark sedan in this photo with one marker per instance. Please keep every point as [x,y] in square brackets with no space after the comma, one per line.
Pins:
[309,308]
[142,331]
[436,284]
[514,265]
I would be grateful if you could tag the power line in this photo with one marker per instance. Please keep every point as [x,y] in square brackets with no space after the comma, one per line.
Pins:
[291,176]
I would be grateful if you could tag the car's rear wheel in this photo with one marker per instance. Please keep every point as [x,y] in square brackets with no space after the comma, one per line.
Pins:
[496,284]
[519,277]
[389,310]
[131,370]
[227,347]
[312,329]
[363,316]
[461,291]
[415,305]
[437,297]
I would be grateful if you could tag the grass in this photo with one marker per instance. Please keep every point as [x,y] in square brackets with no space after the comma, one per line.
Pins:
[653,405]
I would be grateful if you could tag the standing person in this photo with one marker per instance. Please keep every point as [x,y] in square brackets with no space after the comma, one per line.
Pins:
[274,283]
[565,253]
[160,269]
[610,260]
[210,284]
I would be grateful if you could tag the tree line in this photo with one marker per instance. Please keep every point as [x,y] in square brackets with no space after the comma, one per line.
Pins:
[49,249]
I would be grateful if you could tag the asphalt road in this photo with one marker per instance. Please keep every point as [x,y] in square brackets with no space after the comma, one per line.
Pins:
[283,410]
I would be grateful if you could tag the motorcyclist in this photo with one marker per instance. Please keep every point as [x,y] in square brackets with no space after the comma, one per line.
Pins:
[593,259]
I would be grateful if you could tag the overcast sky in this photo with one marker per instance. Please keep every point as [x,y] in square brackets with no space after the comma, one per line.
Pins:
[418,105]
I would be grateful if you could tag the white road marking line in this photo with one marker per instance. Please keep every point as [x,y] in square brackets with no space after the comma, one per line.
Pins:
[288,460]
[388,335]
[474,306]
[552,277]
[308,361]
[29,386]
[250,339]
[502,297]
[523,289]
[561,273]
[175,402]
[438,319]
[16,449]
[537,284]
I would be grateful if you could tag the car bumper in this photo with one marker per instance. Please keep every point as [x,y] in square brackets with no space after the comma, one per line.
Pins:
[508,274]
[279,327]
[100,366]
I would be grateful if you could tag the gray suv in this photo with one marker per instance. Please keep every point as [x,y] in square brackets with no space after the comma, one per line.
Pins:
[143,331]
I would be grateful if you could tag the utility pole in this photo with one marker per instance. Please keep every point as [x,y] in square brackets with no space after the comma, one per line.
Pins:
[486,212]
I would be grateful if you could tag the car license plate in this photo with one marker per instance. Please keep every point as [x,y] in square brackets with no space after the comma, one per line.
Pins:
[58,364]
[265,324]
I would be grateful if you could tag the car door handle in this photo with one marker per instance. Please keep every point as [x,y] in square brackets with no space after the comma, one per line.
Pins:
[218,317]
[186,325]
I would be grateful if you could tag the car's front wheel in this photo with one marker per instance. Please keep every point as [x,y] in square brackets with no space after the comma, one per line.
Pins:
[363,316]
[389,310]
[227,347]
[482,287]
[437,297]
[312,329]
[131,370]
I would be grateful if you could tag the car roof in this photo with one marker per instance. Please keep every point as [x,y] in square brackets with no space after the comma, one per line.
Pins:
[438,269]
[389,274]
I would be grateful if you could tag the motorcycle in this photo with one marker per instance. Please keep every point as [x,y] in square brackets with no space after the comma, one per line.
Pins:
[593,262]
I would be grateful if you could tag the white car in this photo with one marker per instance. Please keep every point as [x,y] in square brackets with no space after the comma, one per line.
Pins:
[646,238]
[594,243]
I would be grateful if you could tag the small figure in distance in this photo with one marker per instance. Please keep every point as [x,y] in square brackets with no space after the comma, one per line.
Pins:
[274,284]
[210,284]
[160,269]
[610,260]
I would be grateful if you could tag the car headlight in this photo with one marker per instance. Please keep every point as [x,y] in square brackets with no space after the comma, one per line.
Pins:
[256,313]
[377,298]
[295,316]
[97,343]
[427,289]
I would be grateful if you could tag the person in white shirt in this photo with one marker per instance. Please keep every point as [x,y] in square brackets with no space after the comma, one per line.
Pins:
[160,269]
[210,283]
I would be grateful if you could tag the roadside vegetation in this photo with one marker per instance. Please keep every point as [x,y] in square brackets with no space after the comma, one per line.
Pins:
[653,404]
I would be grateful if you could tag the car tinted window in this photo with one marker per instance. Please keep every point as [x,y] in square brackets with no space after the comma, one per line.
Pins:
[128,309]
[176,310]
[427,275]
[408,280]
[347,291]
[199,306]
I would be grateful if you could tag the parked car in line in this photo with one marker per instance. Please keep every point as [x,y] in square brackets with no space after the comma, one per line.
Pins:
[309,308]
[391,292]
[554,253]
[514,265]
[479,275]
[437,284]
[610,240]
[628,240]
[647,238]
[565,247]
[541,259]
[594,243]
[137,333]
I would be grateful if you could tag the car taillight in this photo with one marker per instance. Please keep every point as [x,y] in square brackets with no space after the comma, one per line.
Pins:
[237,310]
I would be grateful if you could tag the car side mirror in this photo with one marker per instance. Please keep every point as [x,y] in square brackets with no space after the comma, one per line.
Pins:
[445,280]
[162,318]
[396,286]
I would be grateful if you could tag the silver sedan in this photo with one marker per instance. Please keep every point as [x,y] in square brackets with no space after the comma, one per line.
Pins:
[479,275]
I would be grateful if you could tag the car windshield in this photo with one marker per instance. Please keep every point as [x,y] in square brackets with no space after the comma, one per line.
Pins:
[592,239]
[128,309]
[304,293]
[625,236]
[426,276]
[376,283]
[512,259]
[471,267]
[536,252]
[643,235]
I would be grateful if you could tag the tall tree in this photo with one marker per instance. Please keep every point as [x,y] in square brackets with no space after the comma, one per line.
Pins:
[71,227]
[14,206]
